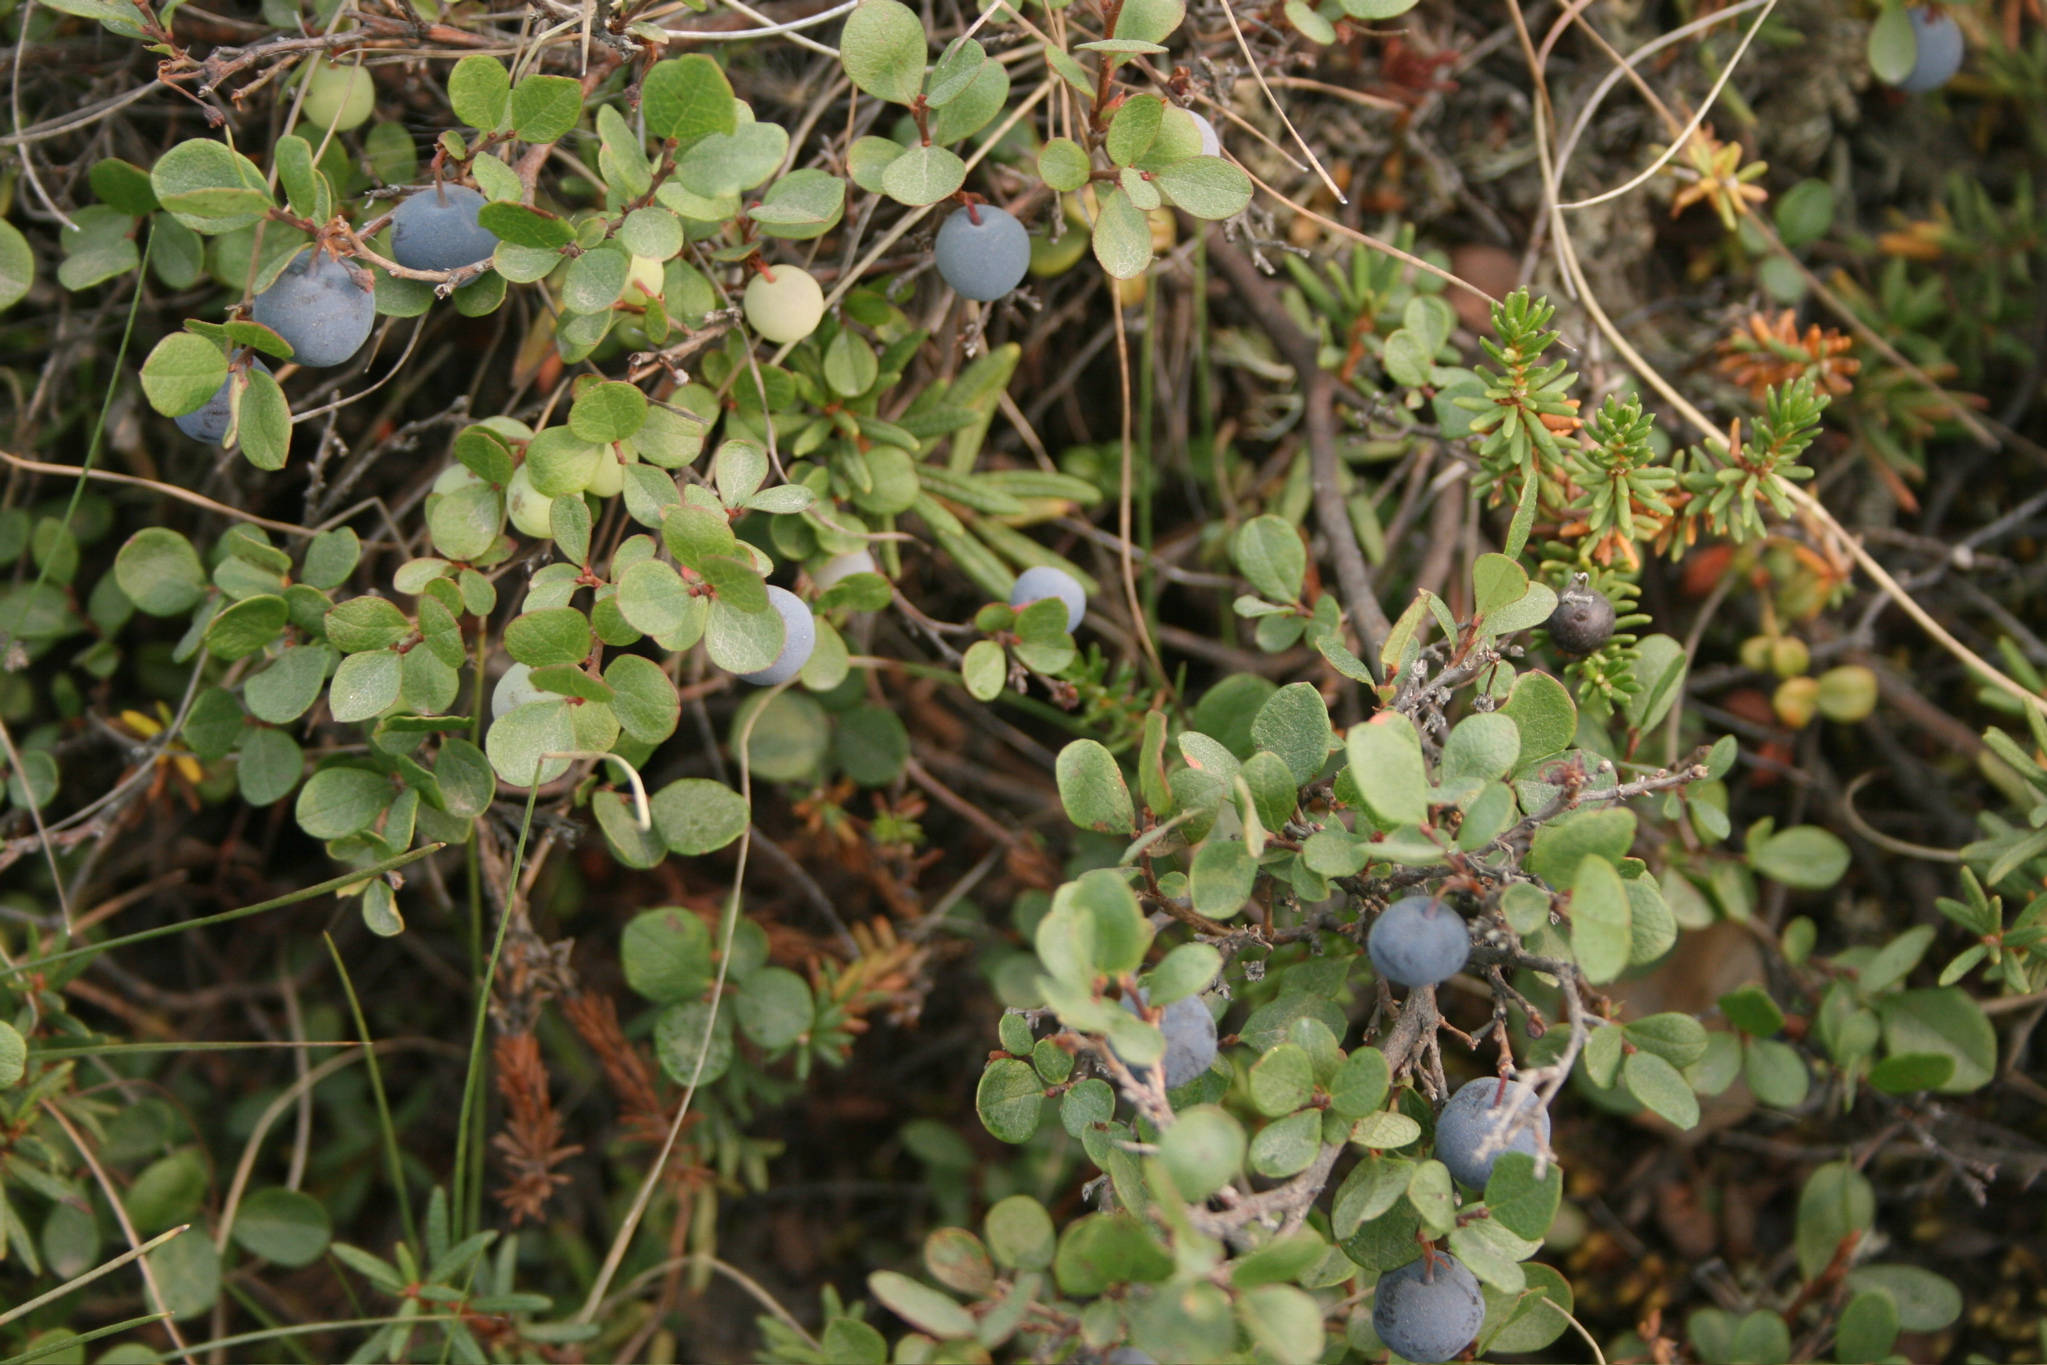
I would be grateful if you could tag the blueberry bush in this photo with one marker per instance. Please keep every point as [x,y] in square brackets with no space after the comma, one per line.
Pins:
[865,683]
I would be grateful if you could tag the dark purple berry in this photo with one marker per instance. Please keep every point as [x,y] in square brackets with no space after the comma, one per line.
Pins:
[1583,620]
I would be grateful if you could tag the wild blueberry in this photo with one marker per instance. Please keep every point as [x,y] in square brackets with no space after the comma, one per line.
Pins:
[323,307]
[982,252]
[1419,942]
[209,423]
[784,307]
[338,97]
[436,229]
[1190,1038]
[842,566]
[514,690]
[1939,54]
[531,510]
[799,637]
[1211,144]
[1036,584]
[1428,1310]
[1475,1113]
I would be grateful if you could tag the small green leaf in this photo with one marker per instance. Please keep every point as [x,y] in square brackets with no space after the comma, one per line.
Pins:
[182,373]
[1600,918]
[1657,1084]
[545,108]
[882,47]
[284,1226]
[688,98]
[1893,44]
[1122,237]
[1186,970]
[1092,789]
[1063,165]
[1751,1010]
[922,175]
[1947,1021]
[1386,764]
[1837,1202]
[479,89]
[1805,857]
[698,816]
[1202,1151]
[160,572]
[1010,1100]
[1518,1201]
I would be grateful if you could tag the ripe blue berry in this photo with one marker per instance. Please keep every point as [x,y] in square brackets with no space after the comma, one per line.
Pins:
[1419,942]
[982,252]
[1939,54]
[1211,144]
[1036,584]
[322,306]
[799,637]
[1190,1038]
[209,423]
[1477,1112]
[436,229]
[1428,1310]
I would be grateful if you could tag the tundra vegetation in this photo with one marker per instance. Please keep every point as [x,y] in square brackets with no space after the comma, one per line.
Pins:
[1072,681]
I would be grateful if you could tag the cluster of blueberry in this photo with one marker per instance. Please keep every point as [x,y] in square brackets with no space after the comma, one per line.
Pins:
[1431,1309]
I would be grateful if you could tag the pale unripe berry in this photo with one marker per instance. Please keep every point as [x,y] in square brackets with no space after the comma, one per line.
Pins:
[1939,54]
[338,97]
[645,280]
[455,478]
[1036,584]
[1419,942]
[609,480]
[1477,1112]
[321,306]
[786,308]
[982,252]
[1428,1310]
[209,423]
[436,229]
[514,690]
[799,637]
[1211,143]
[841,567]
[528,507]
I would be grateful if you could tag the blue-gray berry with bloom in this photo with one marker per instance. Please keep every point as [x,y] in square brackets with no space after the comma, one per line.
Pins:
[1473,1118]
[1939,53]
[1428,1310]
[1419,942]
[436,229]
[323,307]
[209,423]
[799,637]
[982,252]
[1036,584]
[1190,1038]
